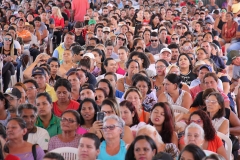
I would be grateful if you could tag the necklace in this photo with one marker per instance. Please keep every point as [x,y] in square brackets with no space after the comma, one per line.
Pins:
[86,128]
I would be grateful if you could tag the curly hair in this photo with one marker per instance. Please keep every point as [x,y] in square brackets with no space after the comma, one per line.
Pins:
[208,128]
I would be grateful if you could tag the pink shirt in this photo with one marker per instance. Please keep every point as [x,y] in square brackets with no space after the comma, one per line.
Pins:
[80,7]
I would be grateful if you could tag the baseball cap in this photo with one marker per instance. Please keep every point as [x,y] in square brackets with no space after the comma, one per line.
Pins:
[91,21]
[165,50]
[109,4]
[13,92]
[20,19]
[209,21]
[106,29]
[162,156]
[38,71]
[87,86]
[207,67]
[232,55]
[90,55]
[112,35]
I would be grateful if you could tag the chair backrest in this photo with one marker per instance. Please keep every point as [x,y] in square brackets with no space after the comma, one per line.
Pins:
[68,153]
[179,109]
[228,142]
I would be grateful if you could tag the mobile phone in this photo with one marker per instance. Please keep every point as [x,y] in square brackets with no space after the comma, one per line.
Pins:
[100,116]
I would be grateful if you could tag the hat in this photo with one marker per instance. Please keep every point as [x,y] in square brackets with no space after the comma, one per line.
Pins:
[112,35]
[198,64]
[109,4]
[38,71]
[106,29]
[27,24]
[13,92]
[90,55]
[162,156]
[209,21]
[91,21]
[176,18]
[87,86]
[207,67]
[20,19]
[165,50]
[232,55]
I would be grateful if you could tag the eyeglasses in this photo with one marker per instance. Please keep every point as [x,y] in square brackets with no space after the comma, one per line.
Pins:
[81,54]
[8,39]
[110,127]
[160,67]
[67,120]
[196,121]
[154,40]
[122,39]
[210,101]
[30,88]
[108,112]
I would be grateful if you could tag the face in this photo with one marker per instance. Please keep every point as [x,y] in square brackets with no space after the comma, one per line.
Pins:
[74,80]
[212,104]
[8,39]
[13,103]
[99,32]
[208,38]
[133,68]
[175,54]
[122,54]
[87,149]
[112,66]
[41,80]
[141,44]
[202,73]
[229,17]
[201,55]
[138,59]
[210,82]
[124,29]
[157,116]
[187,156]
[113,132]
[184,62]
[43,105]
[109,51]
[100,97]
[207,47]
[87,111]
[135,99]
[143,150]
[68,122]
[140,14]
[63,94]
[194,137]
[175,39]
[29,116]
[83,78]
[104,86]
[126,115]
[67,55]
[166,56]
[163,34]
[156,20]
[69,39]
[54,67]
[87,93]
[13,130]
[121,40]
[31,90]
[160,68]
[154,42]
[142,86]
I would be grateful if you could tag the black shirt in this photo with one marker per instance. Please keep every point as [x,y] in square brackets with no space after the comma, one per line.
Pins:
[188,78]
[80,39]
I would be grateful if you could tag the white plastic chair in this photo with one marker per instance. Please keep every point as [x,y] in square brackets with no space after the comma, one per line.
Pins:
[68,153]
[207,152]
[179,109]
[228,142]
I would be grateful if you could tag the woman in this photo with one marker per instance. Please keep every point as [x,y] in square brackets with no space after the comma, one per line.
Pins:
[134,95]
[83,76]
[124,29]
[141,147]
[67,63]
[9,56]
[146,37]
[70,122]
[160,67]
[132,68]
[220,20]
[130,116]
[202,54]
[216,111]
[198,28]
[59,23]
[100,95]
[63,90]
[211,141]
[121,40]
[162,119]
[151,131]
[110,107]
[88,113]
[74,78]
[123,57]
[154,22]
[113,147]
[185,64]
[143,83]
[99,59]
[229,29]
[106,85]
[173,93]
[138,18]
[4,114]
[191,152]
[16,141]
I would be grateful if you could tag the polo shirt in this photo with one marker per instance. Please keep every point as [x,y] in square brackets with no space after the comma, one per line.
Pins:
[50,90]
[72,105]
[58,52]
[53,127]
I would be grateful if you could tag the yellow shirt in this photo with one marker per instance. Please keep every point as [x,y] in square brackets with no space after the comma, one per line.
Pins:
[235,7]
[50,90]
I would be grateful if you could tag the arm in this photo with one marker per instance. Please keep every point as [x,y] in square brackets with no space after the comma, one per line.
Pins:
[187,100]
[45,34]
[226,87]
[120,85]
[224,128]
[162,98]
[222,151]
[174,138]
[27,73]
[235,123]
[128,136]
[216,25]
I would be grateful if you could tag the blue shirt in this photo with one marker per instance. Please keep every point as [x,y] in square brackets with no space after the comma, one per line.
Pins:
[218,61]
[119,156]
[118,94]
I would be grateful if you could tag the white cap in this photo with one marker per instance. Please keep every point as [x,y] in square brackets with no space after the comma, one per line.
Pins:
[109,4]
[165,50]
[90,55]
[106,29]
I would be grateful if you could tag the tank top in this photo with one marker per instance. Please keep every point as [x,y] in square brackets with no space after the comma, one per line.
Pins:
[217,122]
[229,32]
[126,86]
[179,99]
[120,70]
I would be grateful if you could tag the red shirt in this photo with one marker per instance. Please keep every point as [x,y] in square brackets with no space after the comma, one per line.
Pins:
[72,105]
[58,21]
[11,157]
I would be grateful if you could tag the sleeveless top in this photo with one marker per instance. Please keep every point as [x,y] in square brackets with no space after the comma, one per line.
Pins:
[119,156]
[120,70]
[229,33]
[179,99]
[217,122]
[126,86]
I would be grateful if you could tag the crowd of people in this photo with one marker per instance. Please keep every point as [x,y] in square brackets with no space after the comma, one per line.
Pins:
[120,79]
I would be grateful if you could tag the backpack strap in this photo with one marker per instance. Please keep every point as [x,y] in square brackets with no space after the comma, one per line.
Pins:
[34,151]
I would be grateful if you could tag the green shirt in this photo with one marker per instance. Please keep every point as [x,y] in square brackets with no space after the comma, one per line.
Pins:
[53,127]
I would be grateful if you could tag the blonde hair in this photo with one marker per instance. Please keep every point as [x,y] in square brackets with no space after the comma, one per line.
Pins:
[150,129]
[59,14]
[168,69]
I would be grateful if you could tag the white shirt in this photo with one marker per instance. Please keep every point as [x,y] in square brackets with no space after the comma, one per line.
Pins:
[41,137]
[102,77]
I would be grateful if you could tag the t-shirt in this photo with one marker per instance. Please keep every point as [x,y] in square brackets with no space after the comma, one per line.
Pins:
[188,78]
[41,137]
[80,7]
[80,40]
[72,105]
[236,72]
[235,7]
[29,155]
[23,34]
[155,50]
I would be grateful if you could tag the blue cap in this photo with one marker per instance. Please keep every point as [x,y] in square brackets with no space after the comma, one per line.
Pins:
[38,71]
[207,67]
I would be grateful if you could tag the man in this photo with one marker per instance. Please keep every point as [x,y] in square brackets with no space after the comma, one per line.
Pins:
[110,65]
[69,39]
[166,54]
[105,12]
[175,52]
[13,95]
[88,148]
[21,32]
[53,156]
[106,31]
[46,119]
[31,90]
[87,91]
[79,9]
[39,76]
[36,135]
[99,33]
[175,38]
[131,12]
[209,25]
[109,50]
[155,46]
[212,6]
[54,68]
[78,53]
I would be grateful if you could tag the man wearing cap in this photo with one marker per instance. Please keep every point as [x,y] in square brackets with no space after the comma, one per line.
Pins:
[209,25]
[21,32]
[106,31]
[155,46]
[234,59]
[87,91]
[13,95]
[79,9]
[91,25]
[165,54]
[39,75]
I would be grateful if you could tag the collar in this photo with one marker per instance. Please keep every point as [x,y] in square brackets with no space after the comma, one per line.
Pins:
[53,120]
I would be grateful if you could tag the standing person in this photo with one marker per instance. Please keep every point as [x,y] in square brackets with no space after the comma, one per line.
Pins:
[79,9]
[59,23]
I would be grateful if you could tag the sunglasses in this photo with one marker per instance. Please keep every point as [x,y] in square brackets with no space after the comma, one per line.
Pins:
[8,39]
[152,40]
[174,38]
[110,127]
[81,55]
[122,39]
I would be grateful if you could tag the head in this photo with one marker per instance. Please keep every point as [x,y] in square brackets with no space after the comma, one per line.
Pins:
[206,46]
[70,121]
[13,95]
[44,104]
[194,134]
[210,80]
[16,129]
[112,78]
[53,156]
[141,58]
[143,83]
[154,39]
[166,54]
[192,152]
[110,65]
[62,88]
[184,61]
[87,91]
[134,95]
[39,76]
[110,107]
[172,82]
[202,54]
[106,85]
[161,66]
[69,39]
[83,74]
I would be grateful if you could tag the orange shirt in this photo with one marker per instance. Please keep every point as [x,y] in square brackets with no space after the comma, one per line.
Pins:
[72,105]
[143,118]
[24,34]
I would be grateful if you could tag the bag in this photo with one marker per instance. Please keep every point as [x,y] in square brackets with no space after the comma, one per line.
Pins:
[34,152]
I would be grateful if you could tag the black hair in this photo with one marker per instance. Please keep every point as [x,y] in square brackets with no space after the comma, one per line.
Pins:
[37,19]
[175,79]
[163,61]
[46,95]
[53,59]
[221,112]
[139,77]
[77,49]
[190,62]
[75,114]
[53,155]
[130,61]
[63,82]
[22,125]
[105,63]
[31,81]
[94,138]
[3,133]
[146,62]
[3,98]
[95,106]
[111,90]
[21,107]
[197,152]
[111,73]
[154,34]
[100,53]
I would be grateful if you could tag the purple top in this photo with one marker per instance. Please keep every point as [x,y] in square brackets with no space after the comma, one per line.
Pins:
[29,155]
[55,142]
[96,71]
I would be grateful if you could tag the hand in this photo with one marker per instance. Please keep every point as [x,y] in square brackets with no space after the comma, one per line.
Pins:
[233,86]
[39,58]
[97,126]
